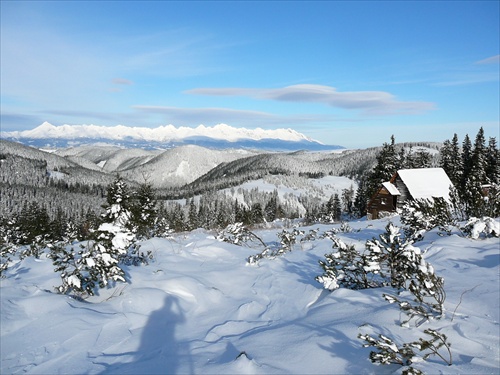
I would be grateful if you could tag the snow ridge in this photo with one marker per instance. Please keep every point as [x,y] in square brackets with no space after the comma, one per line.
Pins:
[161,134]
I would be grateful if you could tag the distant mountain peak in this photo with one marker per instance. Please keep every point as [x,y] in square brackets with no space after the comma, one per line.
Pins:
[218,136]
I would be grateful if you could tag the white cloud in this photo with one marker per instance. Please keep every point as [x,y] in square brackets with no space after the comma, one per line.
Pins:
[370,102]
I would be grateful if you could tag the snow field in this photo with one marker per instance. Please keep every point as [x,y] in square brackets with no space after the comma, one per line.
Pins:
[199,308]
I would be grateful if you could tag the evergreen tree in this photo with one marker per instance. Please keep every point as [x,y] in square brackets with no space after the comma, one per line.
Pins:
[456,167]
[388,162]
[421,159]
[177,218]
[466,163]
[98,264]
[336,208]
[347,200]
[143,211]
[192,215]
[33,222]
[271,208]
[473,193]
[492,169]
[239,212]
[256,213]
[360,201]
[58,225]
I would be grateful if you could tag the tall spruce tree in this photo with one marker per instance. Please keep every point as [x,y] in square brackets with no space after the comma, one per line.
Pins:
[476,177]
[493,162]
[450,159]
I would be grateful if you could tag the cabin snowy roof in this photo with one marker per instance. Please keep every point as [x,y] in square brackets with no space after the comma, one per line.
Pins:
[426,183]
[393,190]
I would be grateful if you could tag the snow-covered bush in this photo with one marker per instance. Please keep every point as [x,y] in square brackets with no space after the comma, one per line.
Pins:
[75,272]
[387,352]
[422,215]
[403,266]
[287,240]
[7,247]
[395,255]
[35,248]
[6,251]
[347,268]
[389,260]
[482,227]
[238,234]
[310,236]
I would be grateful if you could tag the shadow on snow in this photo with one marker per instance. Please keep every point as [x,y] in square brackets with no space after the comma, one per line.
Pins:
[159,351]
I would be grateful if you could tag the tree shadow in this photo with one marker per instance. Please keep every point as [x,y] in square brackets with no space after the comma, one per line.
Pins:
[159,352]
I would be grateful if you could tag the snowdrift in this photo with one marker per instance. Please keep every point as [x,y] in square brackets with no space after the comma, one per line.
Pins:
[198,308]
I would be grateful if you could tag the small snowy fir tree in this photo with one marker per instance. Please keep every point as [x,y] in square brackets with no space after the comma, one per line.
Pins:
[98,264]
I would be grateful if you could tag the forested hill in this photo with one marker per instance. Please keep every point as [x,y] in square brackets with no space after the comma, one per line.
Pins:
[74,180]
[355,164]
[57,183]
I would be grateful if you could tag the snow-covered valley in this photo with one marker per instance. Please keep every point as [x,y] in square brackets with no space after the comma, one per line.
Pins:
[199,308]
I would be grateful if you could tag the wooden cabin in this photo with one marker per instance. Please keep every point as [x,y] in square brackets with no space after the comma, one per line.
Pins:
[406,184]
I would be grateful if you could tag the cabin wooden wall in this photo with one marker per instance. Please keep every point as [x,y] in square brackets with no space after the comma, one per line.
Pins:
[383,201]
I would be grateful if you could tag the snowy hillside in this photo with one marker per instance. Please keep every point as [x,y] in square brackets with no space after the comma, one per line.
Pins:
[198,308]
[219,136]
[181,165]
[109,158]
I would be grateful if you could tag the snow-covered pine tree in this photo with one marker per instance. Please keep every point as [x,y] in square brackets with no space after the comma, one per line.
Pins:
[98,263]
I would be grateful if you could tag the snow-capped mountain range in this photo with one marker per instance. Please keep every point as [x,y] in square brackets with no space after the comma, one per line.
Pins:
[220,136]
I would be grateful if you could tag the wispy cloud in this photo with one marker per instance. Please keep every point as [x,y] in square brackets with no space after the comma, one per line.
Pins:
[489,60]
[122,81]
[191,116]
[370,102]
[95,115]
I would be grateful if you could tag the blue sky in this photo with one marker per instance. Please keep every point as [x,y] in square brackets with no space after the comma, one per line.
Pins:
[348,73]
